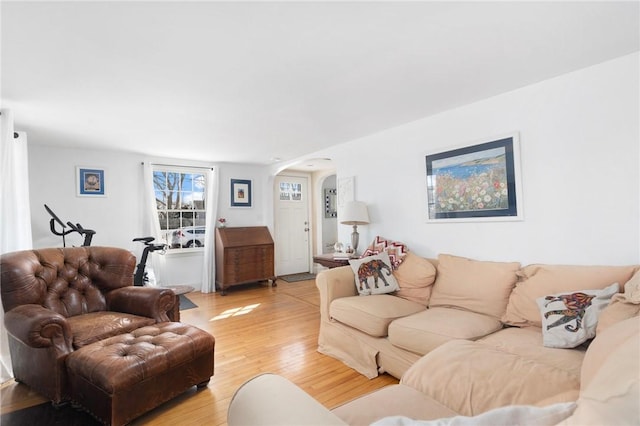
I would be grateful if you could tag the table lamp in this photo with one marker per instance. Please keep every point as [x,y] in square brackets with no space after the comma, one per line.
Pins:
[355,213]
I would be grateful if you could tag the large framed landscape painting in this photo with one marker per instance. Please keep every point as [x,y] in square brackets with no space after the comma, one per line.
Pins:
[479,182]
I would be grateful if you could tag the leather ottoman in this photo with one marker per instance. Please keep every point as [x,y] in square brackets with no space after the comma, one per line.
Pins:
[120,378]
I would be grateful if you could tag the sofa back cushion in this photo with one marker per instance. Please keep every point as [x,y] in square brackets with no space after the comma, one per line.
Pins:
[542,280]
[623,305]
[477,286]
[415,277]
[610,381]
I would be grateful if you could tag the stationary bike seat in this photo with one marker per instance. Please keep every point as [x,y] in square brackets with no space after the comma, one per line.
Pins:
[145,240]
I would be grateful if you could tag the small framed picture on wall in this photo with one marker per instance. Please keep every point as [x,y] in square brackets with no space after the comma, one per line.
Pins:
[241,193]
[90,182]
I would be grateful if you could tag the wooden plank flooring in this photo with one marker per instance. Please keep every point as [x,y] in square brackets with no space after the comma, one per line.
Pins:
[258,329]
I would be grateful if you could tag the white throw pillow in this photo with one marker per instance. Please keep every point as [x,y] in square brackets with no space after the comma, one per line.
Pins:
[509,415]
[374,275]
[570,319]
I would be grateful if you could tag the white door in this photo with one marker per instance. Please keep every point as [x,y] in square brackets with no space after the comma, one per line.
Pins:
[291,225]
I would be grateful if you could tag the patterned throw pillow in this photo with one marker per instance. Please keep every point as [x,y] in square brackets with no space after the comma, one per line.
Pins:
[570,319]
[374,275]
[396,250]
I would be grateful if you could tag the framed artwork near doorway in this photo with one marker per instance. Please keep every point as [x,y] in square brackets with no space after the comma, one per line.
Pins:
[241,193]
[345,191]
[479,182]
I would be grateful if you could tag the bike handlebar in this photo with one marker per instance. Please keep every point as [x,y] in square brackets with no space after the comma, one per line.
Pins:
[87,233]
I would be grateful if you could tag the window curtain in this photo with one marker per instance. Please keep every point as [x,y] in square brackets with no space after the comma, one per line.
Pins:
[211,205]
[15,213]
[156,263]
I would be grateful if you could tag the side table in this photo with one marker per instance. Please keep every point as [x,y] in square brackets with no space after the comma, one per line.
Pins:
[327,260]
[174,314]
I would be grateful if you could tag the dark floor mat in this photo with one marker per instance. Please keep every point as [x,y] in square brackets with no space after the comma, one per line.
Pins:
[185,303]
[298,277]
[46,415]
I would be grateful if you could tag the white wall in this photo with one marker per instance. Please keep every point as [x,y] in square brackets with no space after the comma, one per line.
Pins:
[579,138]
[119,217]
[259,213]
[580,160]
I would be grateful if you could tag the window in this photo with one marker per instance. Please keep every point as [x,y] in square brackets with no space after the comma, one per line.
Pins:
[180,203]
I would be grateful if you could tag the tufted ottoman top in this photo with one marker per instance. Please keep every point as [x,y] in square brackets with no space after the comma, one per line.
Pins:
[122,361]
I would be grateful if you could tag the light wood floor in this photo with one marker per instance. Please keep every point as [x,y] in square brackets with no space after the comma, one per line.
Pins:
[258,329]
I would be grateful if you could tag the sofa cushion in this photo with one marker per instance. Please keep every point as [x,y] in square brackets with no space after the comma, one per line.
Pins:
[570,319]
[610,388]
[415,277]
[477,286]
[391,399]
[372,314]
[373,275]
[527,343]
[395,249]
[473,377]
[623,305]
[424,331]
[541,280]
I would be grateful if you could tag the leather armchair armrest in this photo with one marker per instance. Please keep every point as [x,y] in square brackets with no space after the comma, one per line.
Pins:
[334,284]
[39,327]
[148,302]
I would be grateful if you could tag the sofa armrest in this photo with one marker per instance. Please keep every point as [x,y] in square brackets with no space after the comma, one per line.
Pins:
[269,399]
[38,327]
[152,302]
[334,284]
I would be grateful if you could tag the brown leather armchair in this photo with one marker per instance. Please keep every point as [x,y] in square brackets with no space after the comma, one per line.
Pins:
[57,300]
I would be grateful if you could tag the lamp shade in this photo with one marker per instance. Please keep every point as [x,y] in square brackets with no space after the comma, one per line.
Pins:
[355,213]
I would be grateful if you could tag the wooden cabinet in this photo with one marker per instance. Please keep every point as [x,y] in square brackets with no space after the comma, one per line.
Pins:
[243,255]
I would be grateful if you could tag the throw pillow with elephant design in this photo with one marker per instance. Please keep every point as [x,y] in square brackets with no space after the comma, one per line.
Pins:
[373,275]
[570,319]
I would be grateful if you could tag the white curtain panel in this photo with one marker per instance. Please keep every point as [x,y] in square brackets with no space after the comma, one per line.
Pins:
[155,261]
[15,213]
[209,261]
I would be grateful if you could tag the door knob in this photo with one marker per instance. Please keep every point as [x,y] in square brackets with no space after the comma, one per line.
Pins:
[306,229]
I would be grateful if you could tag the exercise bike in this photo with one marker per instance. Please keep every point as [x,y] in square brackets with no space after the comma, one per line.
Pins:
[141,277]
[86,233]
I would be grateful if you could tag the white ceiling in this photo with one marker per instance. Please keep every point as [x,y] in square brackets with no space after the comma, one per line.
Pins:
[250,82]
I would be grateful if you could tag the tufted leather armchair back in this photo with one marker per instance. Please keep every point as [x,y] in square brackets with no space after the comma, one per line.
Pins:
[67,281]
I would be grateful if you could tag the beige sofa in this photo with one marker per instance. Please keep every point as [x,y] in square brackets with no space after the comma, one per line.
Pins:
[465,338]
[609,393]
[477,304]
[452,298]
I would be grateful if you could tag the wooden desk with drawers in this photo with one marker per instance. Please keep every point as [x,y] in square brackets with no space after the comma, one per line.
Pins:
[243,255]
